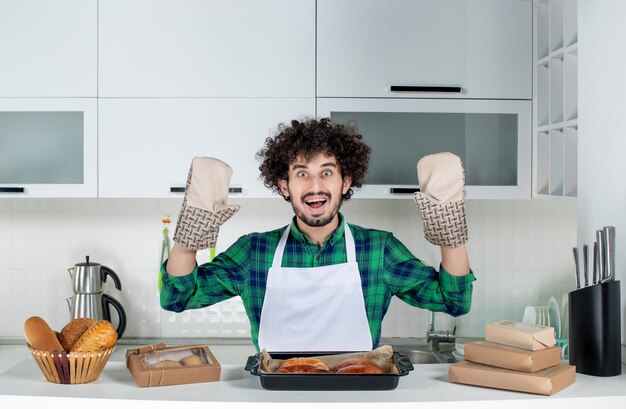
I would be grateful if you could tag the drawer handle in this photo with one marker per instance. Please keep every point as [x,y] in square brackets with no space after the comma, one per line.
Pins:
[404,190]
[178,189]
[426,88]
[11,190]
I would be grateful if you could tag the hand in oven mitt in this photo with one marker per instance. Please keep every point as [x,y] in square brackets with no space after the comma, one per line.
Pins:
[204,208]
[440,199]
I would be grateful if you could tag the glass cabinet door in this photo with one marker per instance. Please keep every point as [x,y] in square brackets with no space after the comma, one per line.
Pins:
[492,138]
[47,148]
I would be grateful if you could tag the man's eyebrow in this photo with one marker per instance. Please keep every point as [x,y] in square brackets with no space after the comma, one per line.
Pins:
[305,166]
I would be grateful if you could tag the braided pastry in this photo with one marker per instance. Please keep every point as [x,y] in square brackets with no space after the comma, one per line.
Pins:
[98,337]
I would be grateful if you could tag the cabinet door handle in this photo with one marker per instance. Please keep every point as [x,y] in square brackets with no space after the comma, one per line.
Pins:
[11,190]
[404,190]
[426,88]
[178,189]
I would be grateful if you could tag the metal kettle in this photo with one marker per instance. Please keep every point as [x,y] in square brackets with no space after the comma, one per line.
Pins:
[88,300]
[88,278]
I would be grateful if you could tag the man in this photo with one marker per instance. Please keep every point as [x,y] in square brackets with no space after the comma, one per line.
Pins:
[320,284]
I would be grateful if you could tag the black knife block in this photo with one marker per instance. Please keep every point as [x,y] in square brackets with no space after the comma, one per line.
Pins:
[594,329]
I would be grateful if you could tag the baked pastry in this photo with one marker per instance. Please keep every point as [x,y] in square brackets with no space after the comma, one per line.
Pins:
[304,361]
[40,336]
[73,331]
[360,369]
[354,361]
[192,359]
[98,337]
[357,365]
[302,368]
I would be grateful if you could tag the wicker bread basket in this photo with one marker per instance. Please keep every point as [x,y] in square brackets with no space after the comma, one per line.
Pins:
[71,367]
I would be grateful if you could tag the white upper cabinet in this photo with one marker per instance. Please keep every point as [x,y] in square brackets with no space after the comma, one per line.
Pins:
[48,147]
[482,47]
[492,138]
[147,144]
[48,48]
[207,48]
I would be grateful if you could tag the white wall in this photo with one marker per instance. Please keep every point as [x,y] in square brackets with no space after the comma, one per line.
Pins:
[601,133]
[519,250]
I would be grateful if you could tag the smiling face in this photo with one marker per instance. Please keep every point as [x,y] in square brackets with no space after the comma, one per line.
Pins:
[315,189]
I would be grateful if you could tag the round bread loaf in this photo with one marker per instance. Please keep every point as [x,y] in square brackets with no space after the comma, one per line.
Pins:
[98,337]
[167,363]
[73,331]
[40,336]
[191,360]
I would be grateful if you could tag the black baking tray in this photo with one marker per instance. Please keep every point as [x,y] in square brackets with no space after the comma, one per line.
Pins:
[326,382]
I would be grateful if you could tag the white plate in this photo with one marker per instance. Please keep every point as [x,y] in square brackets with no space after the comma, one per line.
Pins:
[565,316]
[555,316]
[530,315]
[460,348]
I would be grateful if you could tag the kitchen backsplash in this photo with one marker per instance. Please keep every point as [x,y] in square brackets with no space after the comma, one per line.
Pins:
[519,250]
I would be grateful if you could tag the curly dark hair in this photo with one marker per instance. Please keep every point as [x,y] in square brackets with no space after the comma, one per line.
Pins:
[309,139]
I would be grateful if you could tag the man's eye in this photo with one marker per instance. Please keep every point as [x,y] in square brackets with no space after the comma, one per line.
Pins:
[301,174]
[327,173]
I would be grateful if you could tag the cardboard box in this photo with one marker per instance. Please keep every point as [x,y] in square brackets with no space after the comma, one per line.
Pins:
[517,359]
[545,382]
[158,365]
[520,335]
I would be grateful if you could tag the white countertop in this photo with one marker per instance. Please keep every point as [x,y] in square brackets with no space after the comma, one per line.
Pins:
[427,386]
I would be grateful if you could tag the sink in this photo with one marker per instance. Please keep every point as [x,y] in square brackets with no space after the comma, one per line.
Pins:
[420,357]
[419,354]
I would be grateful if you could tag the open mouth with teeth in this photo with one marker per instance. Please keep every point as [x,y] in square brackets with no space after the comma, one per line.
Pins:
[316,203]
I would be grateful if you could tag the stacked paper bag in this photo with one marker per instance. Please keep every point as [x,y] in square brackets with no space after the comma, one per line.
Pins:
[514,356]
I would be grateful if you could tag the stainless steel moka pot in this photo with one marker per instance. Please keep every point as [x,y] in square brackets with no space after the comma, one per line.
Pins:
[89,300]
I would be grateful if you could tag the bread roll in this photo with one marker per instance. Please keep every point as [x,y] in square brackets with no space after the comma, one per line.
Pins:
[73,331]
[167,363]
[192,360]
[98,337]
[40,336]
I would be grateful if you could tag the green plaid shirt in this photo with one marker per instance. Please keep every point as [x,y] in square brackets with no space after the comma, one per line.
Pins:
[386,266]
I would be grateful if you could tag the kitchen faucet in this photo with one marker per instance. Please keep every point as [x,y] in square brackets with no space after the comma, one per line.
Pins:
[434,337]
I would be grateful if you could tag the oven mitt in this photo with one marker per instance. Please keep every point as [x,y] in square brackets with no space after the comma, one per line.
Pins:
[440,199]
[204,208]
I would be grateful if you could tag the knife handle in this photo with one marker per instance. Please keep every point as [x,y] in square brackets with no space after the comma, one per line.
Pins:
[586,264]
[595,263]
[608,233]
[600,240]
[576,265]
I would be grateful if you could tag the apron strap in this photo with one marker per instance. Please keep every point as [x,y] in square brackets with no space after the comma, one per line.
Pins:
[280,248]
[278,254]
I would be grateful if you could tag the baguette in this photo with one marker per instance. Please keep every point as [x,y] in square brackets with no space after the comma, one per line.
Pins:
[40,336]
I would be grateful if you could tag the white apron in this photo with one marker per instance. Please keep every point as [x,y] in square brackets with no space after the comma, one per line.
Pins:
[315,308]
